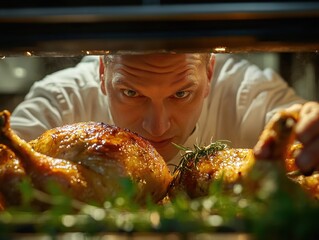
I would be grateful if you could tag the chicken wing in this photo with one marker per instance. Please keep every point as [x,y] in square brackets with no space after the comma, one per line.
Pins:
[280,140]
[277,137]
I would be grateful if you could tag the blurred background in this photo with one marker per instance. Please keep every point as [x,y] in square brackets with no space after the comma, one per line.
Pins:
[17,74]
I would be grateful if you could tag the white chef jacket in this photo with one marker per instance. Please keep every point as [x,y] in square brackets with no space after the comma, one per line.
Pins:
[242,99]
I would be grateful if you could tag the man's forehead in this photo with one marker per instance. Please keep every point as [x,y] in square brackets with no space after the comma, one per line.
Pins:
[156,63]
[158,58]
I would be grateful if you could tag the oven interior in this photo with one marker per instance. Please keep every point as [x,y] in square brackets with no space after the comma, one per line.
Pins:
[40,37]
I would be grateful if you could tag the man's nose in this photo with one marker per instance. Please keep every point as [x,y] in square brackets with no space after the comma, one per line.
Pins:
[156,120]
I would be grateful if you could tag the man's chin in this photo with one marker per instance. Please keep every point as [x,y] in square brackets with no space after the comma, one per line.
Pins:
[167,154]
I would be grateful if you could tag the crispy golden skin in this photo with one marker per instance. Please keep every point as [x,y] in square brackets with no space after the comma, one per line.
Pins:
[11,174]
[309,183]
[229,165]
[87,160]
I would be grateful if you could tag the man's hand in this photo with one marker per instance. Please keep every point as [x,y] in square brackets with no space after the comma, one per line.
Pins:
[298,122]
[307,132]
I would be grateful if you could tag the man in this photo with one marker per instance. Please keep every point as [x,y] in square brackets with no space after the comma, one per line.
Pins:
[186,99]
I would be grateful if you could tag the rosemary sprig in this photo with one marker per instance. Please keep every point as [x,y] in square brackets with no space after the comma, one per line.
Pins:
[198,153]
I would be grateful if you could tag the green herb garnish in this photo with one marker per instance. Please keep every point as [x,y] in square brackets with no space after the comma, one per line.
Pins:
[198,153]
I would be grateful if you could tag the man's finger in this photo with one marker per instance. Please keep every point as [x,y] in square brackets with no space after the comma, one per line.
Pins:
[308,158]
[307,127]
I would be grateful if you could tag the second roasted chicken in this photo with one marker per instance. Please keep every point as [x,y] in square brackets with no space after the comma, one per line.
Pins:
[200,167]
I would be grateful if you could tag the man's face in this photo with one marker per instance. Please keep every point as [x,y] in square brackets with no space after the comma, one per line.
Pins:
[158,96]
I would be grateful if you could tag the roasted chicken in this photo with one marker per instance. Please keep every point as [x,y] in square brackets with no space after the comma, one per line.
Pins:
[87,160]
[201,167]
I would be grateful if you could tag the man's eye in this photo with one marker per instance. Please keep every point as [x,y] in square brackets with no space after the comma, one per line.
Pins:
[181,94]
[130,93]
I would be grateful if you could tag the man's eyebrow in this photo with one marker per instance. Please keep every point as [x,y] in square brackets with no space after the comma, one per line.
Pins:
[118,80]
[191,83]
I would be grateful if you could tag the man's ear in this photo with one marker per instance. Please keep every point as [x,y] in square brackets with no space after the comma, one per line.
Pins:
[209,73]
[102,75]
[210,67]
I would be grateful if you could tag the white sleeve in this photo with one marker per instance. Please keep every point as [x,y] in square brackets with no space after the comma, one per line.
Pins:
[38,112]
[260,95]
[64,97]
[242,100]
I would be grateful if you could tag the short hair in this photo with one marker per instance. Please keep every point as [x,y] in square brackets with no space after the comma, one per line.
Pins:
[108,58]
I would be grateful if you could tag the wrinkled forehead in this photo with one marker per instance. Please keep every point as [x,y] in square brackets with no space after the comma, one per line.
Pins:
[158,60]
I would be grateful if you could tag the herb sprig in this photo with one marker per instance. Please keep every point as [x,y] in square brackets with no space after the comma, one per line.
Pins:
[198,153]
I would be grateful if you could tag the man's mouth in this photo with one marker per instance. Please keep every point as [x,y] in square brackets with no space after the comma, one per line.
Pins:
[161,143]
